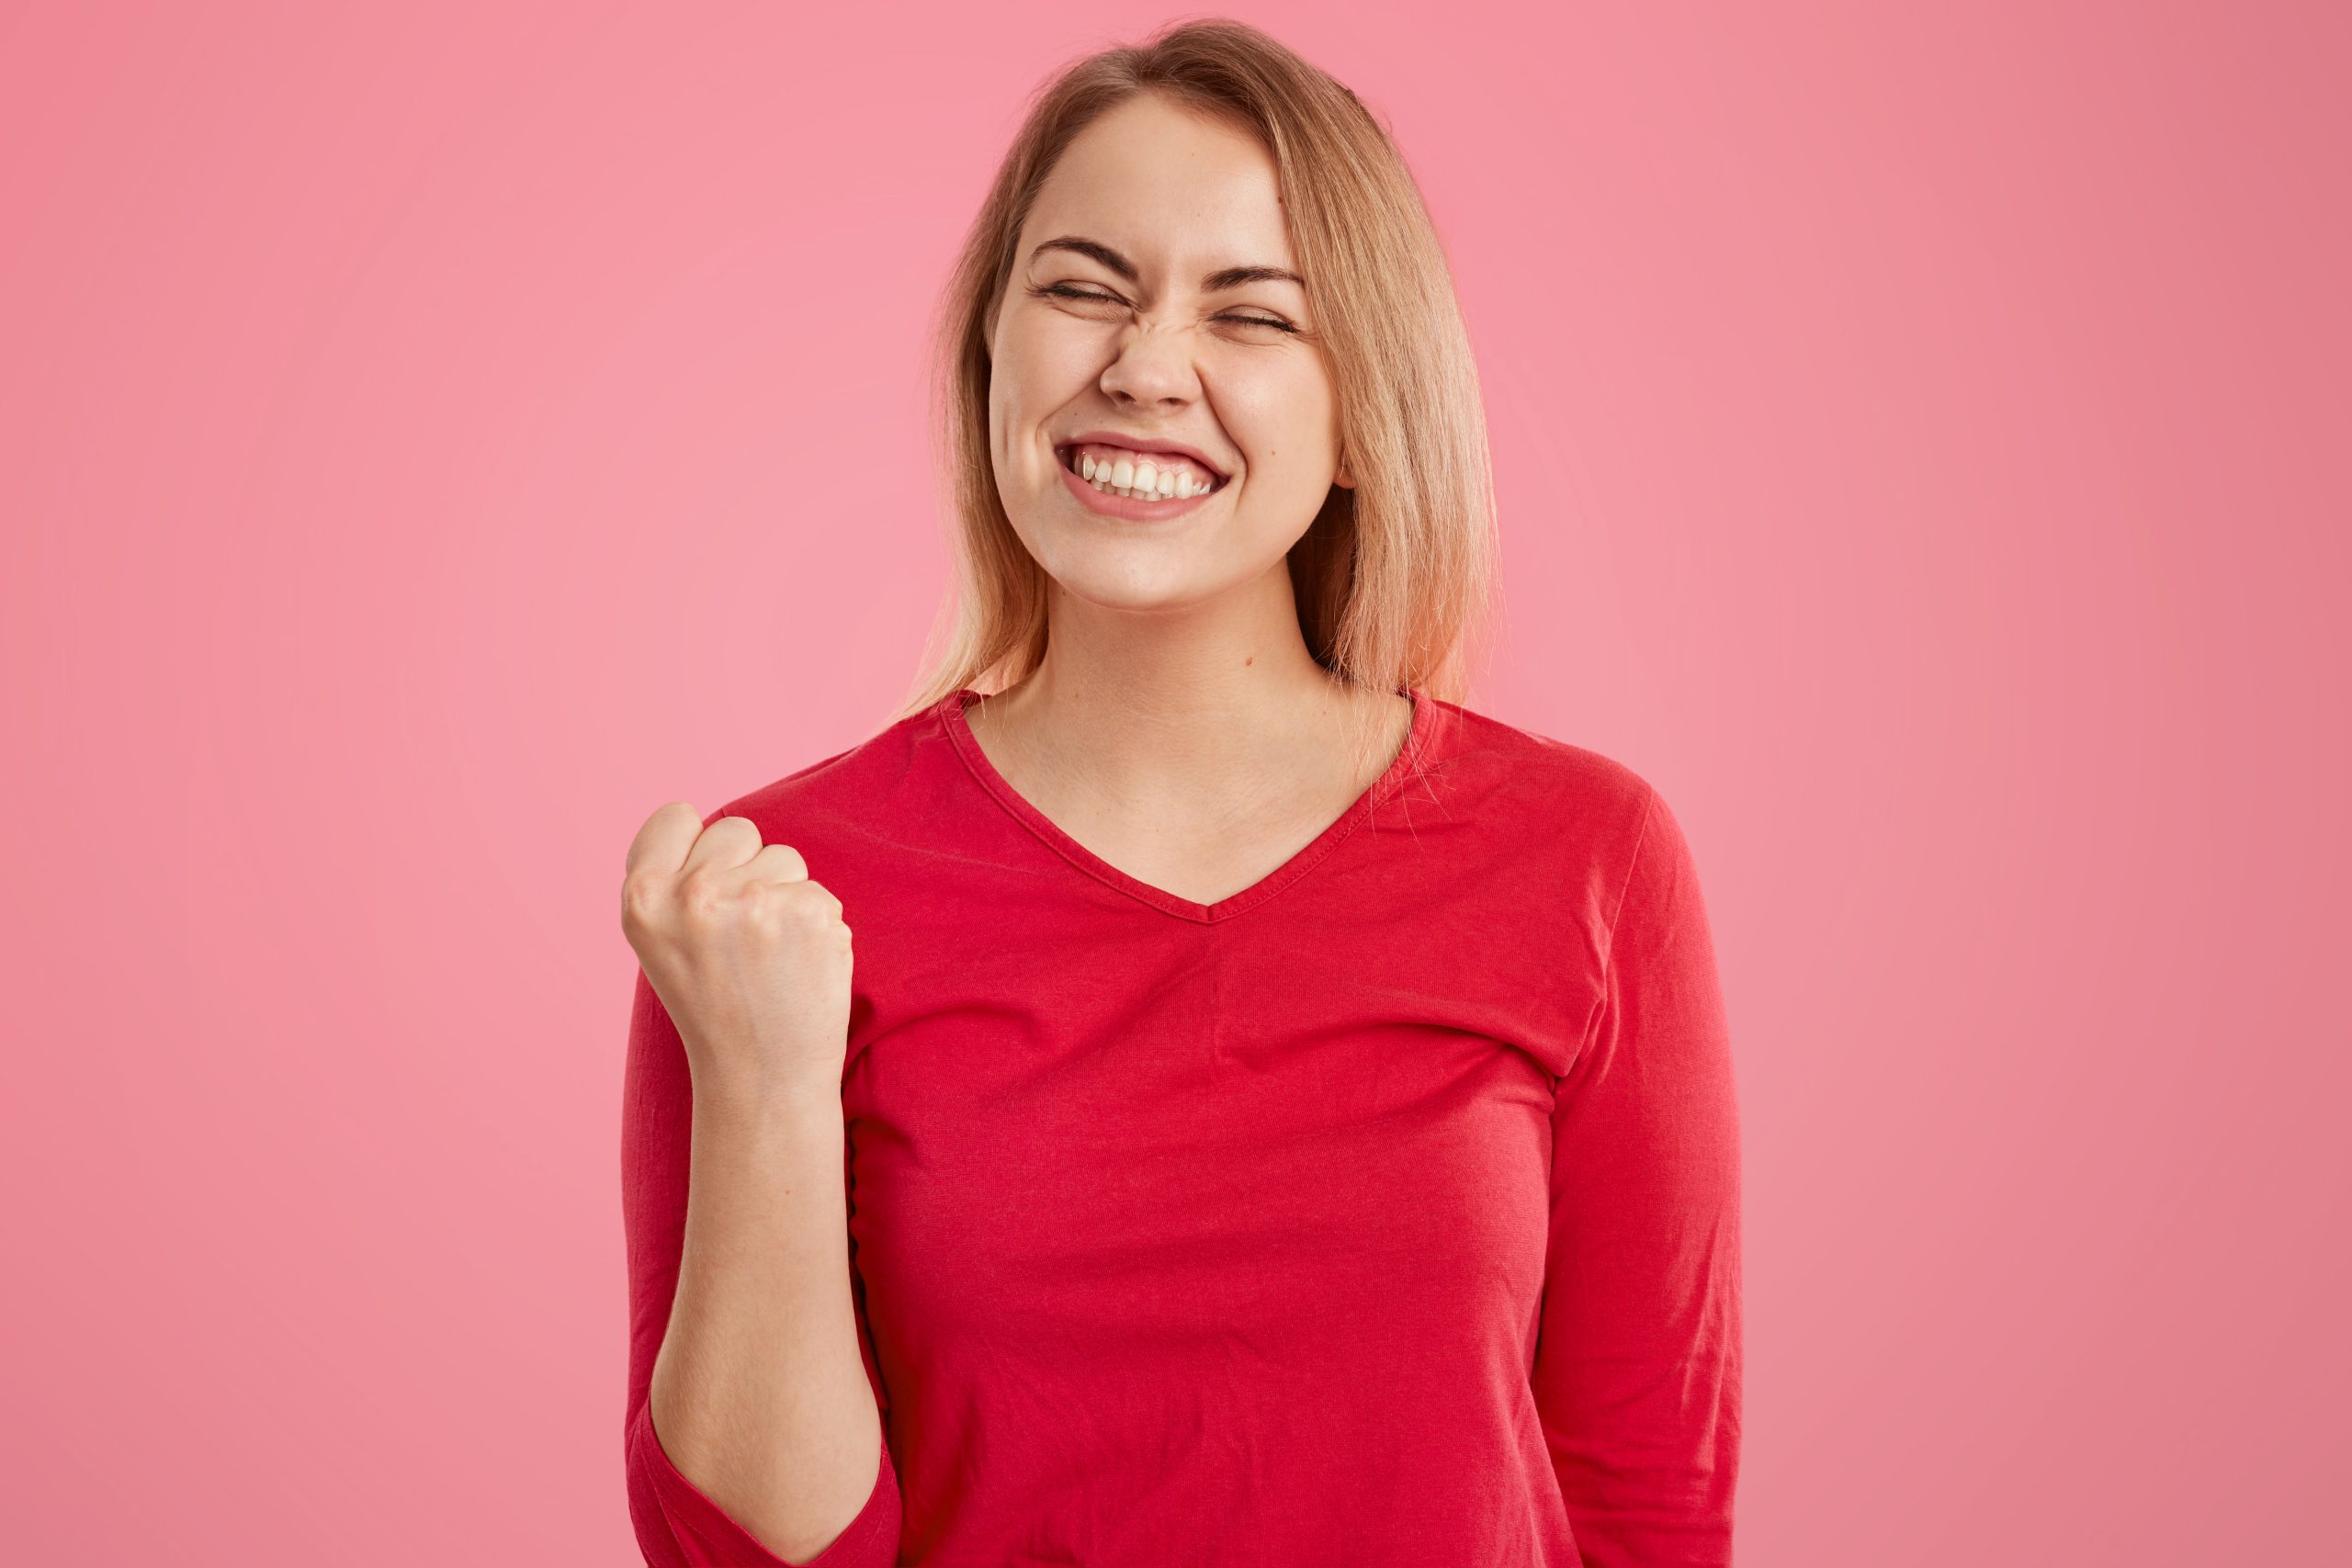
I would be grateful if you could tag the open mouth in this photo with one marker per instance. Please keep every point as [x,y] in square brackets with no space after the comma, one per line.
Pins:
[1150,476]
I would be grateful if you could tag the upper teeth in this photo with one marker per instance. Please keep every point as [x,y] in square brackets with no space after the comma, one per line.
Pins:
[1124,472]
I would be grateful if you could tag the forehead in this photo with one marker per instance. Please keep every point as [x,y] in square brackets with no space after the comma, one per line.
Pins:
[1161,183]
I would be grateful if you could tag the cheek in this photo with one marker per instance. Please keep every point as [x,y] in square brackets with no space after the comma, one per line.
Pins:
[1033,377]
[1047,345]
[1285,422]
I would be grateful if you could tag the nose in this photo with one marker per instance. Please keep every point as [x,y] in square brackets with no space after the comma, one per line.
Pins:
[1152,368]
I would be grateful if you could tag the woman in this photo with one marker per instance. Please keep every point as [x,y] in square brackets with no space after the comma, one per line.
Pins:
[1280,1116]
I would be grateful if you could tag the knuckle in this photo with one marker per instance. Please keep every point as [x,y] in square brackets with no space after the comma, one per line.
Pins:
[810,905]
[641,896]
[700,896]
[765,904]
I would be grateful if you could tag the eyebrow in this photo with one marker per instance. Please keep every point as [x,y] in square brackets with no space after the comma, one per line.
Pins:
[1216,282]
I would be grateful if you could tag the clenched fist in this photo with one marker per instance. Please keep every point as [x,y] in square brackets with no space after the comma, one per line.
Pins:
[750,957]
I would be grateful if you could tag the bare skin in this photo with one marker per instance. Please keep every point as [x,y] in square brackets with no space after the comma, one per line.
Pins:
[1266,803]
[1178,727]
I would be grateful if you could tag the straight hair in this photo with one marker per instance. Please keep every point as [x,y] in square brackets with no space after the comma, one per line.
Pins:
[1394,578]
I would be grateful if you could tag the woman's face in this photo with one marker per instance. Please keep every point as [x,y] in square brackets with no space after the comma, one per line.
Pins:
[1113,323]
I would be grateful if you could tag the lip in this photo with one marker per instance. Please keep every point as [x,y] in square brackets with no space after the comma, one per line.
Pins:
[1128,508]
[1141,444]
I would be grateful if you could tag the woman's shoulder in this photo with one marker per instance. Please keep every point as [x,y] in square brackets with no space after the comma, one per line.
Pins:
[854,789]
[1521,771]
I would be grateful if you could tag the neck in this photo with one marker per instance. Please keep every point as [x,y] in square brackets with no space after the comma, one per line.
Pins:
[1179,712]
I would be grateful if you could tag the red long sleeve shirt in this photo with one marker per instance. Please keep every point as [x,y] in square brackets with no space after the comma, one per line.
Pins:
[1385,1212]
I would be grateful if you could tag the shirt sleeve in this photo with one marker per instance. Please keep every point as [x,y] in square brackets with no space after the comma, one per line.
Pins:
[677,1525]
[1637,1361]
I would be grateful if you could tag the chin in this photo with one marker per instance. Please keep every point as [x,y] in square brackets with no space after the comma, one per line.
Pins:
[1130,586]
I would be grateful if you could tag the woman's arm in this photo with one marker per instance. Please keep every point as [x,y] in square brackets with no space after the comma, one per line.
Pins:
[754,1434]
[1637,1365]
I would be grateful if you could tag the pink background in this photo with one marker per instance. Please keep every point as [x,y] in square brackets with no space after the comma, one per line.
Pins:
[435,436]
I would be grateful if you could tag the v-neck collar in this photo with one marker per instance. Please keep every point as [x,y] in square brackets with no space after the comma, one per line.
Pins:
[952,716]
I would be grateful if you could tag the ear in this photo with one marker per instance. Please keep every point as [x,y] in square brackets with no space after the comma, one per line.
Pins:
[1343,479]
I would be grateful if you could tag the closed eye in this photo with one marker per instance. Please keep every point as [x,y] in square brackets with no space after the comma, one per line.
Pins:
[1065,291]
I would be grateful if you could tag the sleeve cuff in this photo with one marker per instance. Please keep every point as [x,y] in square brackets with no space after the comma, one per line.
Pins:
[710,1537]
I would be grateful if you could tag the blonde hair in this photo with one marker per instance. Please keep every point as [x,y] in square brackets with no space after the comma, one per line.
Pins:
[1394,577]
